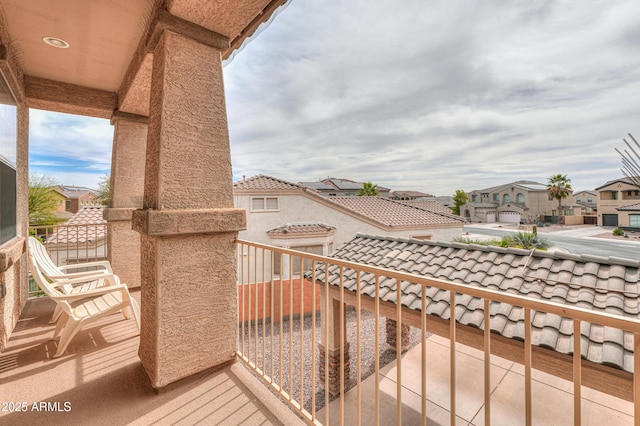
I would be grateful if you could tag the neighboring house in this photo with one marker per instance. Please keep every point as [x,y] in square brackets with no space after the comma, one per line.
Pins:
[80,239]
[445,200]
[407,195]
[619,204]
[517,202]
[77,197]
[588,202]
[293,216]
[334,187]
[590,282]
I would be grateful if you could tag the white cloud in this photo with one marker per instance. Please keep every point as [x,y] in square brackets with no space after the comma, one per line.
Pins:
[437,95]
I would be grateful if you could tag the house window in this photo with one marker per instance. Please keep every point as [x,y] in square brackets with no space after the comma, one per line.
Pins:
[67,205]
[474,198]
[614,195]
[578,199]
[8,162]
[520,198]
[506,199]
[496,198]
[261,204]
[634,220]
[589,200]
[629,193]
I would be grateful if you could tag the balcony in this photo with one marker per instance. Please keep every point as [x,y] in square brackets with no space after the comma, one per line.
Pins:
[101,377]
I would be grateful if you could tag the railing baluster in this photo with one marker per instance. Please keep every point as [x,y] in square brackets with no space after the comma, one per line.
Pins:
[398,351]
[377,350]
[301,357]
[327,378]
[249,302]
[290,326]
[452,355]
[313,340]
[636,376]
[527,365]
[264,310]
[423,356]
[577,375]
[342,347]
[358,351]
[487,361]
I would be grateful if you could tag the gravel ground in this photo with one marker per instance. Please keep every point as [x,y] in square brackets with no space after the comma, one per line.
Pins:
[302,365]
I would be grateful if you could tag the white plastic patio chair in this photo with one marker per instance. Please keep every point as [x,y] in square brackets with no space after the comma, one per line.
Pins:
[91,279]
[80,309]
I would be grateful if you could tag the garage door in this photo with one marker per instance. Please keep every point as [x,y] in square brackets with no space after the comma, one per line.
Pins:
[509,217]
[609,220]
[491,217]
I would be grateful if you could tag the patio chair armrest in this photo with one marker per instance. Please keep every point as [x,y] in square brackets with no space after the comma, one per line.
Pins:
[121,288]
[103,263]
[111,278]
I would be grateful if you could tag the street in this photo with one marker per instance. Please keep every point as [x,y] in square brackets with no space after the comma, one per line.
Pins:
[583,244]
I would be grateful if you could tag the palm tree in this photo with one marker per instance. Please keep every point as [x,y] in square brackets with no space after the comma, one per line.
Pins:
[559,187]
[369,189]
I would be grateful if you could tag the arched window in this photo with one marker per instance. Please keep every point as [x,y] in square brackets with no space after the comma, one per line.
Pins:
[506,199]
[520,198]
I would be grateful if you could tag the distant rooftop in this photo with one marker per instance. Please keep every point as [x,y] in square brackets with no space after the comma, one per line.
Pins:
[82,234]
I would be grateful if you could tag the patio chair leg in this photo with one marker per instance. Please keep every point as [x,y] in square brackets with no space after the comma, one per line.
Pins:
[67,335]
[60,325]
[56,315]
[135,309]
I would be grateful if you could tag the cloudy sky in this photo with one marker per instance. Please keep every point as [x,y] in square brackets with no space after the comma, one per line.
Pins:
[424,95]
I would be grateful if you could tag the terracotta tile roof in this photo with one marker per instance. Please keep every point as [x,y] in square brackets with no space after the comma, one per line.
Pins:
[628,208]
[264,183]
[75,230]
[394,213]
[432,205]
[603,284]
[301,228]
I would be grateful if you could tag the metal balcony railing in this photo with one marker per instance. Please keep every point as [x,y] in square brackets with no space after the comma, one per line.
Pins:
[71,244]
[277,346]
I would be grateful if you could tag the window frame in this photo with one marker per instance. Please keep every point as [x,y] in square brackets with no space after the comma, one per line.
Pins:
[265,204]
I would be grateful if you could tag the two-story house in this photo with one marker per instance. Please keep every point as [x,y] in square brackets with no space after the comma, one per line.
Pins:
[618,204]
[291,215]
[522,201]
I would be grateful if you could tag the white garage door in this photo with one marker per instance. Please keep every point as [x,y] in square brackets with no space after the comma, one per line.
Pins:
[509,217]
[491,217]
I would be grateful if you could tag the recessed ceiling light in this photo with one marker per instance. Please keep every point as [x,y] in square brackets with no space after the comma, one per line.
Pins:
[55,42]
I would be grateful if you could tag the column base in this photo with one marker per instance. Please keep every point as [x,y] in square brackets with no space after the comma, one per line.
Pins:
[334,368]
[392,333]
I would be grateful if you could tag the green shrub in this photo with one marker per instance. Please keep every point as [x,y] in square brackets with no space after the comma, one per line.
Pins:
[618,232]
[529,240]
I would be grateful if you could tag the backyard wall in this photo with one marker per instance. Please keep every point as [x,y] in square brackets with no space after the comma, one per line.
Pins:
[247,299]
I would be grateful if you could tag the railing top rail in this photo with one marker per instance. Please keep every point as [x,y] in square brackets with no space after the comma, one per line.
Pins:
[631,324]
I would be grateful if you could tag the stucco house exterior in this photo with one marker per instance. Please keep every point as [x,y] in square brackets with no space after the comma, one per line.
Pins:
[289,215]
[78,197]
[618,204]
[522,201]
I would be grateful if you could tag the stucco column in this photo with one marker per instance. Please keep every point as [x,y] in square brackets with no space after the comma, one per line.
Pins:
[126,191]
[330,347]
[188,223]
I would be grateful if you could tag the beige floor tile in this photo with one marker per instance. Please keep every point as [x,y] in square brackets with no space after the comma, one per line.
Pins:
[551,406]
[469,378]
[476,353]
[411,407]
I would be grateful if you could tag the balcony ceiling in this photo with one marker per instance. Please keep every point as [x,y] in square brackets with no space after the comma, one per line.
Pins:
[104,39]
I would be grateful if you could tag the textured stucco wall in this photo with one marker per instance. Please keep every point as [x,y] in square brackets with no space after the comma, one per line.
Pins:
[188,224]
[12,253]
[127,189]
